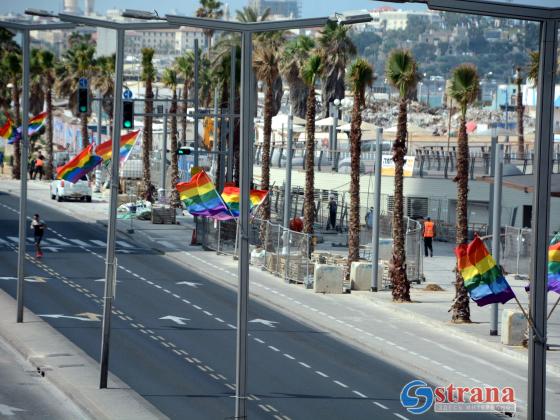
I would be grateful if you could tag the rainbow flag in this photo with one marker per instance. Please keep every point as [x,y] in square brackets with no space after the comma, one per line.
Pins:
[80,165]
[231,195]
[8,130]
[36,123]
[554,264]
[483,278]
[202,199]
[105,149]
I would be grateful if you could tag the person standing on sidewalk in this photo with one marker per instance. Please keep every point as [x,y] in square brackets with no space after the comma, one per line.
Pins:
[429,232]
[38,227]
[2,161]
[39,167]
[333,206]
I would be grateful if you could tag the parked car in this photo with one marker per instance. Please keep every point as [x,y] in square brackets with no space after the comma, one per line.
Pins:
[62,190]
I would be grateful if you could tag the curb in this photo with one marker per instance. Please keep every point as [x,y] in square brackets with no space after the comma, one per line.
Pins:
[45,348]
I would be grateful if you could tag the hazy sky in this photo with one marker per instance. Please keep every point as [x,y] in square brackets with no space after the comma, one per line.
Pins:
[310,8]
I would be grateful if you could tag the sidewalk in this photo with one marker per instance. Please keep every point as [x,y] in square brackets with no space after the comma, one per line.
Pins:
[429,308]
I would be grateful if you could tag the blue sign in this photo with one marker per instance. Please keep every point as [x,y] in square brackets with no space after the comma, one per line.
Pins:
[83,82]
[417,397]
[127,94]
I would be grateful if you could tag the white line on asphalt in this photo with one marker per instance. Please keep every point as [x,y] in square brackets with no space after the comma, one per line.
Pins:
[188,359]
[225,379]
[175,295]
[208,313]
[263,407]
[289,356]
[184,352]
[230,386]
[231,326]
[150,331]
[167,291]
[359,394]
[208,368]
[341,384]
[79,242]
[384,407]
[273,348]
[196,360]
[401,348]
[186,301]
[135,275]
[272,408]
[152,337]
[475,380]
[202,368]
[197,307]
[165,344]
[124,244]
[218,319]
[214,376]
[157,285]
[400,417]
[161,338]
[98,243]
[305,365]
[318,372]
[258,340]
[176,351]
[448,368]
[390,343]
[58,242]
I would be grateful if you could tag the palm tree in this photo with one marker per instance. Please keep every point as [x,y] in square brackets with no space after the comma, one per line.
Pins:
[36,93]
[184,65]
[296,52]
[48,62]
[78,62]
[402,73]
[265,63]
[169,79]
[310,73]
[336,49]
[148,75]
[533,67]
[210,9]
[360,77]
[104,82]
[463,89]
[12,68]
[520,111]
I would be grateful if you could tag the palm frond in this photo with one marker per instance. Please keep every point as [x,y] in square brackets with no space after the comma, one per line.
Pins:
[402,71]
[464,85]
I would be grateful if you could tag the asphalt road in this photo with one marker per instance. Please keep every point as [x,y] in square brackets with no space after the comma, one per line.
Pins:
[186,366]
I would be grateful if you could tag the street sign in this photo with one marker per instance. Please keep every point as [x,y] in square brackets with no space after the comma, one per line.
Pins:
[127,94]
[83,83]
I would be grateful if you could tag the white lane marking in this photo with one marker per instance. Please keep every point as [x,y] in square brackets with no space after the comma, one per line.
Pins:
[264,408]
[157,285]
[197,307]
[124,244]
[341,384]
[305,365]
[175,295]
[208,313]
[218,319]
[232,326]
[58,242]
[98,243]
[318,372]
[359,394]
[289,356]
[79,242]
[230,386]
[384,407]
[258,340]
[186,301]
[400,417]
[273,348]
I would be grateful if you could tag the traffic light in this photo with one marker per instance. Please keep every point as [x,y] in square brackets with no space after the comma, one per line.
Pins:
[128,114]
[183,151]
[83,100]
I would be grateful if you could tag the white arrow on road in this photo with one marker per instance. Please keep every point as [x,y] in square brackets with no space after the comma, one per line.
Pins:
[176,319]
[190,283]
[7,410]
[79,318]
[264,322]
[30,279]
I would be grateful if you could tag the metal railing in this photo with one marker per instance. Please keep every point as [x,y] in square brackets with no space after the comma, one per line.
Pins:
[515,256]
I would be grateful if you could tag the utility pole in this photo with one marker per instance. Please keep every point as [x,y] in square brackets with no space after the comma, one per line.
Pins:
[496,225]
[376,211]
[196,69]
[288,176]
[231,119]
[164,152]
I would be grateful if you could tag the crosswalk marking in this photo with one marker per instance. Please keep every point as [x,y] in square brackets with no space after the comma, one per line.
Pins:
[124,244]
[14,239]
[57,242]
[97,242]
[3,242]
[79,242]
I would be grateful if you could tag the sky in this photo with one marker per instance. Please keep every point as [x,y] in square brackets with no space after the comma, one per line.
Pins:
[310,8]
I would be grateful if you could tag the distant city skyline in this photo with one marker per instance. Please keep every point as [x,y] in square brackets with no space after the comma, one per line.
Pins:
[311,8]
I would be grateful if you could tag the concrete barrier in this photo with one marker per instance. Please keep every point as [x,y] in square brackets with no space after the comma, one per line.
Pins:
[360,275]
[327,279]
[514,326]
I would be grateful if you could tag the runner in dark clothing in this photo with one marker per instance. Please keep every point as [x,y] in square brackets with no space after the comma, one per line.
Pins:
[38,227]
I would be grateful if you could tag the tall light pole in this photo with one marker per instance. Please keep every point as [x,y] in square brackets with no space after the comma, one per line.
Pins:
[288,184]
[25,28]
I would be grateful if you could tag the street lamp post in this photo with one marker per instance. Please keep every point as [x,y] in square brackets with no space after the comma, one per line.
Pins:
[288,184]
[336,108]
[25,28]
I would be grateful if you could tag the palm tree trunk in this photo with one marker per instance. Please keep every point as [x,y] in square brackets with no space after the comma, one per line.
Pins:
[298,97]
[49,167]
[17,145]
[309,196]
[84,129]
[175,201]
[520,112]
[267,132]
[355,149]
[184,107]
[397,265]
[460,308]
[147,143]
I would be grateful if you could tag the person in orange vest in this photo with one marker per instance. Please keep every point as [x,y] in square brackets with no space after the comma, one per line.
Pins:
[429,232]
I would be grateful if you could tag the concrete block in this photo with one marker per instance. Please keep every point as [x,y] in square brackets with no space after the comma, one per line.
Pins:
[514,326]
[360,275]
[327,279]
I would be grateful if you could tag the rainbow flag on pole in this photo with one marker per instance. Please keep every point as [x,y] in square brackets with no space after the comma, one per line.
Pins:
[554,264]
[202,199]
[80,165]
[105,149]
[231,196]
[8,131]
[483,278]
[36,123]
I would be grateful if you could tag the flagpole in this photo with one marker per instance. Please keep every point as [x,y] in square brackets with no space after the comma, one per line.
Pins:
[553,308]
[529,320]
